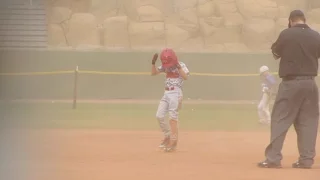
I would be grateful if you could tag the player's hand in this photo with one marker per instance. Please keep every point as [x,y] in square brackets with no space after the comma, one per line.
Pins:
[154,58]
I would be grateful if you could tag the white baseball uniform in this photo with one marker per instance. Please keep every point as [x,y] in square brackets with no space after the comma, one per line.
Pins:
[268,84]
[172,98]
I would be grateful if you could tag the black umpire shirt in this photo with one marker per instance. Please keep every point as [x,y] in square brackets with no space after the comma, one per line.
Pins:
[299,50]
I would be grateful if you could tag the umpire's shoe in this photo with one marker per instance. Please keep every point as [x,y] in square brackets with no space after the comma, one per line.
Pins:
[266,164]
[165,142]
[299,165]
[172,147]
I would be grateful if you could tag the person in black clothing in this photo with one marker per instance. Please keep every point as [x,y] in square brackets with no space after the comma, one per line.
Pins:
[298,48]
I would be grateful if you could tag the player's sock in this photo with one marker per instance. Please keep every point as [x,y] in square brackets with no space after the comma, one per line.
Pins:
[174,130]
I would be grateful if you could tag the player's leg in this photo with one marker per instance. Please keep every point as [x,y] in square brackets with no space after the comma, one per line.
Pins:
[173,119]
[180,99]
[262,108]
[306,126]
[267,110]
[163,123]
[284,113]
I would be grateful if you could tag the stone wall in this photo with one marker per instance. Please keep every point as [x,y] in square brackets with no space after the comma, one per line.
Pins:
[187,25]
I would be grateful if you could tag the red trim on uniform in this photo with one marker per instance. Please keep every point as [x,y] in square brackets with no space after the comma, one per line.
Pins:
[169,89]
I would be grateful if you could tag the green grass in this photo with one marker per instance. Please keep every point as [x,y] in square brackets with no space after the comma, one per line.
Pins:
[130,116]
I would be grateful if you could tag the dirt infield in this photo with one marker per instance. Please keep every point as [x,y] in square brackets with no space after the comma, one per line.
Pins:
[122,155]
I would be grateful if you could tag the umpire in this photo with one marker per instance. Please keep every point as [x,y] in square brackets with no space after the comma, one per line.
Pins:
[298,48]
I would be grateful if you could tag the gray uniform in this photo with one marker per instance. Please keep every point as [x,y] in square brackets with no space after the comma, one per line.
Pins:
[297,98]
[297,104]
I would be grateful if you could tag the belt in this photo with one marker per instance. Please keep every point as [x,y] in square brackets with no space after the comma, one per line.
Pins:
[289,78]
[169,88]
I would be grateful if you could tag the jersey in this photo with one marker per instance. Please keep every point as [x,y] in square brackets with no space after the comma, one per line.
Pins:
[173,78]
[269,81]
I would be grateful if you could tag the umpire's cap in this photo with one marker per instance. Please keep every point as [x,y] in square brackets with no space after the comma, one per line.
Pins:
[297,14]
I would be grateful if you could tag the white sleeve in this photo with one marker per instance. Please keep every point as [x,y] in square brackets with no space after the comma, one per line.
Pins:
[185,68]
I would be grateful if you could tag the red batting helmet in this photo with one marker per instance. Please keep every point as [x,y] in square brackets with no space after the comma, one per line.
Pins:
[168,58]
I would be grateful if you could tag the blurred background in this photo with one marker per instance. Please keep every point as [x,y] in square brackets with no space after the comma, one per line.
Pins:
[220,41]
[186,25]
[223,42]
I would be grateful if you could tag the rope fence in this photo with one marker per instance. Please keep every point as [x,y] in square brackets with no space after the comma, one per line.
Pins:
[76,73]
[120,73]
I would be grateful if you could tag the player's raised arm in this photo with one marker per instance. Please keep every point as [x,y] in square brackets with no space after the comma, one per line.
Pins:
[183,71]
[154,70]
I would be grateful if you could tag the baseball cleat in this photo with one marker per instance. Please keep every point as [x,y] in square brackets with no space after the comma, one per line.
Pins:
[172,147]
[164,142]
[266,164]
[299,165]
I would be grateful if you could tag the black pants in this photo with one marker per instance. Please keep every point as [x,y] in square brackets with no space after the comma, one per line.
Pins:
[296,103]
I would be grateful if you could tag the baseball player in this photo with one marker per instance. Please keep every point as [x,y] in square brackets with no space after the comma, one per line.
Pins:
[176,72]
[268,86]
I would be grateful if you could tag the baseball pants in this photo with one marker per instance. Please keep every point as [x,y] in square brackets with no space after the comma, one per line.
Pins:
[263,109]
[170,104]
[296,104]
